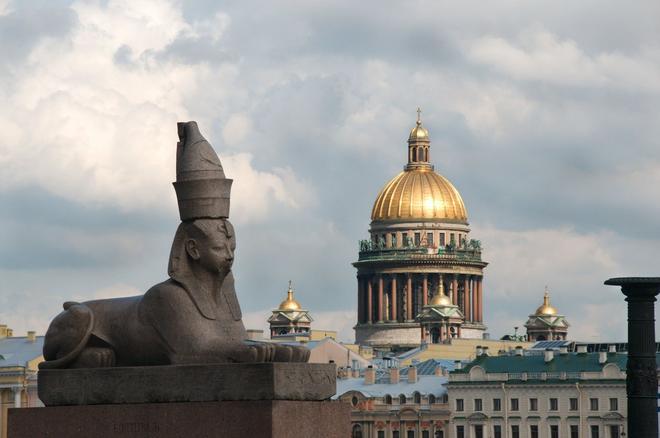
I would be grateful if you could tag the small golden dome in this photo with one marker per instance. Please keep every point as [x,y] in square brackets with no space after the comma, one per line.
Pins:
[419,194]
[440,299]
[418,133]
[546,309]
[290,303]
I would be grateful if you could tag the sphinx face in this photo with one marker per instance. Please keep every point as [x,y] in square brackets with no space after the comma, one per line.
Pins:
[216,251]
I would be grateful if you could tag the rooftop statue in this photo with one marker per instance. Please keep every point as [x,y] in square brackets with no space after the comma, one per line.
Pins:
[191,318]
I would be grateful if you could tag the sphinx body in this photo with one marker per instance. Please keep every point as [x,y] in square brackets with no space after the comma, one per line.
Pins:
[194,316]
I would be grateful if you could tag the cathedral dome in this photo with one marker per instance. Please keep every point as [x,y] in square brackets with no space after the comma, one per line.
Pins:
[419,193]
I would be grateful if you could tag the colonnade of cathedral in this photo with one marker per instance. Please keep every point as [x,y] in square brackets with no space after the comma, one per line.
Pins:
[400,297]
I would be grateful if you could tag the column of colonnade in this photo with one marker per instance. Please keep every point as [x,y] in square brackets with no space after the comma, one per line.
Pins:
[400,297]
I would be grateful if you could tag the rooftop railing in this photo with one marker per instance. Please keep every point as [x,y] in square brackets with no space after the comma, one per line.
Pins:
[372,251]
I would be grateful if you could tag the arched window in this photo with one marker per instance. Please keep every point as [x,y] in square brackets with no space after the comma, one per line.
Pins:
[388,399]
[357,431]
[402,399]
[414,154]
[417,397]
[445,398]
[431,399]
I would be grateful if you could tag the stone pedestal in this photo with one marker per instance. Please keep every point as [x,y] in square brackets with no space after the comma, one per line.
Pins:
[217,400]
[226,419]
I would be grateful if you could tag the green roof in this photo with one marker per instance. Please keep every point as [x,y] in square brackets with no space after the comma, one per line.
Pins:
[569,363]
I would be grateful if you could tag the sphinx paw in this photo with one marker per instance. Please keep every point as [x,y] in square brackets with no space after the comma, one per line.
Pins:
[94,357]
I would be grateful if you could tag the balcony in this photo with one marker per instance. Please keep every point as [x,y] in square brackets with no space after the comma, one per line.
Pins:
[370,251]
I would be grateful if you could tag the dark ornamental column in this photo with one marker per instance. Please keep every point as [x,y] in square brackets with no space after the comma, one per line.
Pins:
[642,378]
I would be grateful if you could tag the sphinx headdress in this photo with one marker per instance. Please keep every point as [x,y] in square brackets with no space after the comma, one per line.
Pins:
[201,187]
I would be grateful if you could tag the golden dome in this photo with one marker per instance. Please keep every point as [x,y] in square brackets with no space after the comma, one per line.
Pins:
[440,299]
[546,309]
[419,194]
[290,303]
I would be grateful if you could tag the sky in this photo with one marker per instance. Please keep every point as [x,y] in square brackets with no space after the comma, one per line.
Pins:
[545,116]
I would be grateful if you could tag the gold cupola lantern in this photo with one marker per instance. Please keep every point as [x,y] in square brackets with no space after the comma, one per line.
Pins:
[419,193]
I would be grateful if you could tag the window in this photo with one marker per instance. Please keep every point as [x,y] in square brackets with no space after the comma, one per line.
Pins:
[515,431]
[417,398]
[442,239]
[460,431]
[404,239]
[614,404]
[354,401]
[478,431]
[393,240]
[614,431]
[425,434]
[357,431]
[418,238]
[533,404]
[497,404]
[452,239]
[478,405]
[411,434]
[431,399]
[497,431]
[429,239]
[573,404]
[593,404]
[534,431]
[388,399]
[575,430]
[514,404]
[439,434]
[554,431]
[459,405]
[395,434]
[595,432]
[554,404]
[381,434]
[402,399]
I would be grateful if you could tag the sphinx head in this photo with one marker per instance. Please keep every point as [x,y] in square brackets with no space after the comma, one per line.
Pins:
[207,244]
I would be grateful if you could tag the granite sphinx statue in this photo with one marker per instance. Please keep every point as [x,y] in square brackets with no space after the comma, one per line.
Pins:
[192,317]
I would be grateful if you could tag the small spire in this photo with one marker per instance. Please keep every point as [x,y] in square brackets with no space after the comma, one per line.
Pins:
[289,293]
[441,288]
[419,116]
[546,297]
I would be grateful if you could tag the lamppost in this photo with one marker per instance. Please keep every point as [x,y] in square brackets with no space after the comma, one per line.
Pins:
[641,372]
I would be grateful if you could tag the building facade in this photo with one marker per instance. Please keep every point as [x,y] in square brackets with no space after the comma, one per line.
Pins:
[419,240]
[548,395]
[19,359]
[410,402]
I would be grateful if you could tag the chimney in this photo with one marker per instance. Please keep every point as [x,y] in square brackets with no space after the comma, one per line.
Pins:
[370,375]
[412,374]
[479,350]
[439,371]
[548,355]
[31,336]
[611,349]
[563,349]
[458,365]
[519,350]
[602,357]
[484,351]
[394,375]
[581,349]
